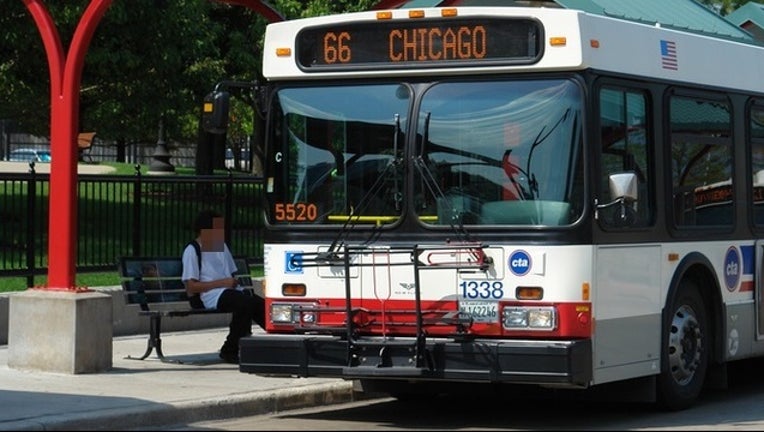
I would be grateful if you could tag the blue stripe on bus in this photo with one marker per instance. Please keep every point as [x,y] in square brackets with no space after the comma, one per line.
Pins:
[748,262]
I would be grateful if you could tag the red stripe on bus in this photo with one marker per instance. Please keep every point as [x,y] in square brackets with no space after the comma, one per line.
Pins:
[746,286]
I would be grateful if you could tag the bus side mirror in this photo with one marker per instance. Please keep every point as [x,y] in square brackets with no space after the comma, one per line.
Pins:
[623,189]
[215,112]
[623,186]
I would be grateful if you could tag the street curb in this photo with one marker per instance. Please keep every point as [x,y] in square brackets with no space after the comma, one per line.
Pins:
[152,414]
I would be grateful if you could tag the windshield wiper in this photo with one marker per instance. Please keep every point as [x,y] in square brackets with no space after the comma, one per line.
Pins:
[512,169]
[331,255]
[533,184]
[431,183]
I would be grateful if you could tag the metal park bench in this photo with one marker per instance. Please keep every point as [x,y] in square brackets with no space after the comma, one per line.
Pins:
[154,284]
[84,145]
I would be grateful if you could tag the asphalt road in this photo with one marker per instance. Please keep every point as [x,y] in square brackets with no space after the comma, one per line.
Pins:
[739,407]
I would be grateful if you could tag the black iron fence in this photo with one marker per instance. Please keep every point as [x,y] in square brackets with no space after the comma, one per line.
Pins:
[182,154]
[117,215]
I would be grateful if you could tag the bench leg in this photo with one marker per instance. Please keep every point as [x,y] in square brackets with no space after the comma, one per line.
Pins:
[155,341]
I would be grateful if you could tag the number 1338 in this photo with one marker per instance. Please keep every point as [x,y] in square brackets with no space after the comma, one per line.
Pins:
[482,289]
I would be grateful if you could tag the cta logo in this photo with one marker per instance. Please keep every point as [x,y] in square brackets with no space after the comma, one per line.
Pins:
[519,262]
[732,269]
[293,264]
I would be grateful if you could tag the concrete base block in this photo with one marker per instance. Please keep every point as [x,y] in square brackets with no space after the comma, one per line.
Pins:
[126,318]
[60,331]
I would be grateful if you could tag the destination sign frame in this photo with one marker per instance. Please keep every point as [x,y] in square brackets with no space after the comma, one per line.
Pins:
[420,43]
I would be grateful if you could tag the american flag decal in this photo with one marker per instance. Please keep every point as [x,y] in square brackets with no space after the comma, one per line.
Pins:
[668,55]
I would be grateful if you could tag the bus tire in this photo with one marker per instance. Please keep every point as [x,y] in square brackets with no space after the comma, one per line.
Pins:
[685,349]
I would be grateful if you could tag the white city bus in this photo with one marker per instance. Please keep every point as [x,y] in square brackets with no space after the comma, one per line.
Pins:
[507,195]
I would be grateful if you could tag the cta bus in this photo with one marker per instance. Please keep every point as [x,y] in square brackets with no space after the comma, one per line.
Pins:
[509,195]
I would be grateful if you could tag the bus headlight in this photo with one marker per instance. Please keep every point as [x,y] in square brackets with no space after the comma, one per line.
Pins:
[515,318]
[281,313]
[292,313]
[541,318]
[529,318]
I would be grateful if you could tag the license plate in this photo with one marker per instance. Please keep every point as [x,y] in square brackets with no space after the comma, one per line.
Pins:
[481,311]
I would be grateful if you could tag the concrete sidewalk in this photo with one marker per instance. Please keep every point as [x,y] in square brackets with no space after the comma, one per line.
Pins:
[141,394]
[44,168]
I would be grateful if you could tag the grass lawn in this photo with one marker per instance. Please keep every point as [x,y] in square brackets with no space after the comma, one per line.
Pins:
[129,169]
[8,284]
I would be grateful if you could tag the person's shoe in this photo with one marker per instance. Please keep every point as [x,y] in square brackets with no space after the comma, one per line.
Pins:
[229,357]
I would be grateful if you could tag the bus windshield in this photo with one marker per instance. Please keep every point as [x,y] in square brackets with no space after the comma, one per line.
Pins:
[337,153]
[501,153]
[484,153]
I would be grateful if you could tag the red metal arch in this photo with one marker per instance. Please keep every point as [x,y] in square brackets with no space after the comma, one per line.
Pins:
[65,75]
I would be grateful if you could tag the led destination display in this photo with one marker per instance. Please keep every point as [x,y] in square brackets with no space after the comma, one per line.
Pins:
[419,43]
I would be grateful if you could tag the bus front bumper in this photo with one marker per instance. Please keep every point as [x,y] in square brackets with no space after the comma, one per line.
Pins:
[548,362]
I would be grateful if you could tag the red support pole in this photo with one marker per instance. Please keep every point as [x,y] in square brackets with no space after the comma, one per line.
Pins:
[65,76]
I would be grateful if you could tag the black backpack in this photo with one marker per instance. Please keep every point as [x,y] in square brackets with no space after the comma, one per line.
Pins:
[196,300]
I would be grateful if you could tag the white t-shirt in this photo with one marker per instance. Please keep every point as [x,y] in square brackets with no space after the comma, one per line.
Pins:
[215,265]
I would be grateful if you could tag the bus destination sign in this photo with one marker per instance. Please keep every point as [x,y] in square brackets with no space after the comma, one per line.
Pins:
[439,42]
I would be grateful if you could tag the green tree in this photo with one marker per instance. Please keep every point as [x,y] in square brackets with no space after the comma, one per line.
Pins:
[725,7]
[292,9]
[146,59]
[148,62]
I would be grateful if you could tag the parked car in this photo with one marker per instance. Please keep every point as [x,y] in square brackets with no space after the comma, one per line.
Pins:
[29,155]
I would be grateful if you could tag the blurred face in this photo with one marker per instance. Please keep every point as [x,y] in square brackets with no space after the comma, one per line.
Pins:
[213,238]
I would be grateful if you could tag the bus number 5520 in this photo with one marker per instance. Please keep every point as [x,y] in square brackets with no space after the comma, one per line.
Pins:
[299,212]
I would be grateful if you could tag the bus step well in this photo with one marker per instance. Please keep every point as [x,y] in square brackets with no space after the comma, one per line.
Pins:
[395,357]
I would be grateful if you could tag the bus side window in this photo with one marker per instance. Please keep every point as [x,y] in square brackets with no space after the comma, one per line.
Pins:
[756,140]
[701,161]
[624,148]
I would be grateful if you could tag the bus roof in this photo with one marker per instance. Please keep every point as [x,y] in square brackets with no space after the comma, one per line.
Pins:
[683,15]
[591,41]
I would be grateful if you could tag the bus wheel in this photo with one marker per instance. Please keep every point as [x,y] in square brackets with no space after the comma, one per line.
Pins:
[685,352]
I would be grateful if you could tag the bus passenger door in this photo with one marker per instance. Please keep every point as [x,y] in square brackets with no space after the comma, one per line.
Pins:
[627,311]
